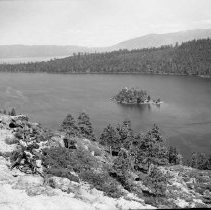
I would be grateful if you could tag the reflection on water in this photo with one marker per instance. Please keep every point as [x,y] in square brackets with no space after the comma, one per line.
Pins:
[135,107]
[184,117]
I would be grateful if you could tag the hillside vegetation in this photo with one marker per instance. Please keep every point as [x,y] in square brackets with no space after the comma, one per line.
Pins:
[190,58]
[124,169]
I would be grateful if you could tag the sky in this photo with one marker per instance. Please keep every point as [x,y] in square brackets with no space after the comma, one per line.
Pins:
[96,23]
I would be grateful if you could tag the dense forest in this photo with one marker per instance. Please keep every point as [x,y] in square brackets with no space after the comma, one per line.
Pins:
[189,58]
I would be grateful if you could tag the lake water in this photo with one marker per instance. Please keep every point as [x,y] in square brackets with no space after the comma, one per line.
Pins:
[27,59]
[184,117]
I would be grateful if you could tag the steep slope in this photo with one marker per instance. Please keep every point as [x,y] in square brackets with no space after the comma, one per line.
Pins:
[186,187]
[21,189]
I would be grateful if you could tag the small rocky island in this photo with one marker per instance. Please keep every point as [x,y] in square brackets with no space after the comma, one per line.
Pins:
[135,96]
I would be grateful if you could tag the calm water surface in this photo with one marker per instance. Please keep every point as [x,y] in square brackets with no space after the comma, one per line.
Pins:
[27,59]
[184,117]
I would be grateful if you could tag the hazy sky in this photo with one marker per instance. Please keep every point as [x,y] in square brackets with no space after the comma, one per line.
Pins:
[96,22]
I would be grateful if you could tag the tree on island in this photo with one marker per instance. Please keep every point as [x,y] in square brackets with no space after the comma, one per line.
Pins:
[132,96]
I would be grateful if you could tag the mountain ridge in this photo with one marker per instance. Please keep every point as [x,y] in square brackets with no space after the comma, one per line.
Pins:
[157,40]
[146,41]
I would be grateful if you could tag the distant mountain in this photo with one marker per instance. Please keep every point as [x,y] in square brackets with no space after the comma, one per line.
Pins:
[157,40]
[46,52]
[22,51]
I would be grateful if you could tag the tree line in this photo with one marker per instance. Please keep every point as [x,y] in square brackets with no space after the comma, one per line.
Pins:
[189,58]
[141,149]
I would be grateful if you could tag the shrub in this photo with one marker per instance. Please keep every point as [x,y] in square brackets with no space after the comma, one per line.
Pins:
[160,202]
[14,155]
[97,151]
[5,154]
[21,157]
[11,141]
[121,167]
[73,160]
[156,181]
[18,134]
[62,172]
[103,182]
[61,162]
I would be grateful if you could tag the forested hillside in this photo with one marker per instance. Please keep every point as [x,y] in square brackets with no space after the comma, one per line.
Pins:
[190,58]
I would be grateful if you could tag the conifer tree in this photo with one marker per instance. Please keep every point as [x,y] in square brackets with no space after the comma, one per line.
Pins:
[126,134]
[121,167]
[85,126]
[173,154]
[13,113]
[69,126]
[110,139]
[151,149]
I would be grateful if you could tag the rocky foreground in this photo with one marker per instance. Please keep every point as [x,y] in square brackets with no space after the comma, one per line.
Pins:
[23,184]
[19,190]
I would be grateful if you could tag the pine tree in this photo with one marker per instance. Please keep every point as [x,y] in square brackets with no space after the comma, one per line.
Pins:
[121,167]
[85,126]
[13,113]
[202,161]
[173,155]
[69,126]
[194,159]
[126,134]
[151,149]
[122,163]
[209,162]
[110,139]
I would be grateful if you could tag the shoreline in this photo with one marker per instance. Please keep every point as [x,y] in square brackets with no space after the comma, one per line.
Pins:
[143,103]
[112,73]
